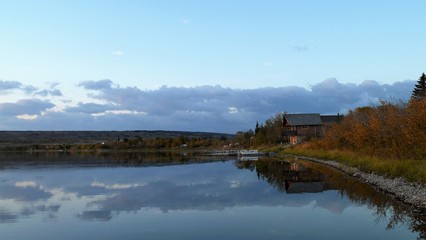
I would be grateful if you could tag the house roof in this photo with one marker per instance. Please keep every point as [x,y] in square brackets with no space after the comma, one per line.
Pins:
[305,187]
[305,119]
[331,118]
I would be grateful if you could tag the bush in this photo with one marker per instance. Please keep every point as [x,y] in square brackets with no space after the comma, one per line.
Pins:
[392,130]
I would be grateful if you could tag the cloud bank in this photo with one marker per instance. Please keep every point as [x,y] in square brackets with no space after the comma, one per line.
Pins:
[201,108]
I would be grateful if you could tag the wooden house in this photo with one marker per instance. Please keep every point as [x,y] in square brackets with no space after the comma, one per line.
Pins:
[298,127]
[329,120]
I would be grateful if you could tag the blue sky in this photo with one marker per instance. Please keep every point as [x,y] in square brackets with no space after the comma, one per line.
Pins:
[51,50]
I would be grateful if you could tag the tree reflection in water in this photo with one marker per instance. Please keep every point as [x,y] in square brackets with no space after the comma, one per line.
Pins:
[49,185]
[306,177]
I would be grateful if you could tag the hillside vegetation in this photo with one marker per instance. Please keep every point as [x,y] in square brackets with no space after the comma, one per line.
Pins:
[104,140]
[390,130]
[389,139]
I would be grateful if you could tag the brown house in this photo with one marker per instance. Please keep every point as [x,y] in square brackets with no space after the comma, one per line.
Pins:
[329,120]
[307,125]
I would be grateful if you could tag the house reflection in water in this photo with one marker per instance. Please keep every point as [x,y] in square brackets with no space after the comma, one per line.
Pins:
[290,177]
[305,177]
[300,179]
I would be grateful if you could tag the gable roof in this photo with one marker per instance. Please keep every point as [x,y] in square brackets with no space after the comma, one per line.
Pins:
[306,187]
[331,118]
[306,119]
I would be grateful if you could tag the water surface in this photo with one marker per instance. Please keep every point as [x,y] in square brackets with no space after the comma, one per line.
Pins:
[146,196]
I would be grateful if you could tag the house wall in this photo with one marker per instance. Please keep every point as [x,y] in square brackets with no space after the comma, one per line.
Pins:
[296,134]
[310,131]
[303,132]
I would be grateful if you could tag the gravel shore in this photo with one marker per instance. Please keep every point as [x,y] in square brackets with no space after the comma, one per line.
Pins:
[411,193]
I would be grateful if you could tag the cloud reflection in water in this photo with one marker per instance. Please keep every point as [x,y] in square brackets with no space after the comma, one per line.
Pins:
[205,187]
[103,194]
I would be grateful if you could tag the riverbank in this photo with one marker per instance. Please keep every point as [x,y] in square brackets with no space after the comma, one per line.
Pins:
[411,193]
[411,170]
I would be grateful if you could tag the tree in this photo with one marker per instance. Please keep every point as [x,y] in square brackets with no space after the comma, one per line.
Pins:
[419,91]
[257,129]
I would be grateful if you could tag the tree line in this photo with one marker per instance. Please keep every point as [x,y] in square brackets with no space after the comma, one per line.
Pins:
[138,143]
[268,133]
[392,129]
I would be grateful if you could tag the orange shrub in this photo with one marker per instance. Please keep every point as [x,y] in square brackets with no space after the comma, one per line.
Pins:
[392,130]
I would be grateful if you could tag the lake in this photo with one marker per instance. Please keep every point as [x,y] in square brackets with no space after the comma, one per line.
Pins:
[180,196]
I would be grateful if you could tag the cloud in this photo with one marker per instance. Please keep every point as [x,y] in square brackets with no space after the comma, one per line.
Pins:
[25,184]
[95,215]
[49,92]
[21,193]
[117,112]
[14,85]
[267,64]
[27,116]
[194,187]
[200,108]
[116,185]
[208,186]
[26,106]
[117,53]
[96,85]
[27,211]
[9,85]
[7,217]
[54,84]
[184,21]
[91,108]
[29,89]
[6,86]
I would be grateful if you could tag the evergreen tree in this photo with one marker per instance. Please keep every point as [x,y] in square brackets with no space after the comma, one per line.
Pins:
[256,130]
[419,91]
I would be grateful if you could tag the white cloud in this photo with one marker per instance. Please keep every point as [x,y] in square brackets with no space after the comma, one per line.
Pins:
[235,184]
[49,92]
[9,85]
[6,86]
[201,108]
[232,110]
[267,64]
[53,85]
[27,116]
[116,186]
[184,21]
[25,107]
[117,53]
[96,85]
[117,112]
[25,184]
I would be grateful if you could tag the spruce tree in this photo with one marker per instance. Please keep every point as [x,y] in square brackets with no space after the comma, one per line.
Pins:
[256,130]
[419,91]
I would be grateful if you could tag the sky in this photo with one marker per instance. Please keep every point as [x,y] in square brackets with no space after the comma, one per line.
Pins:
[208,65]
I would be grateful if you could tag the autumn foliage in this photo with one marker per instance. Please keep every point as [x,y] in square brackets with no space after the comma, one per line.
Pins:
[394,130]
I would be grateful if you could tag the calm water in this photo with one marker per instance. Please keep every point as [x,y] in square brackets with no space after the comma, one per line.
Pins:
[140,196]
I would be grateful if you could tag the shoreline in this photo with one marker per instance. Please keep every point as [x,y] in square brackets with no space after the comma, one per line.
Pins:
[413,194]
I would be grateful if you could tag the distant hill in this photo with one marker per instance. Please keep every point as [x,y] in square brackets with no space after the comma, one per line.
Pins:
[84,137]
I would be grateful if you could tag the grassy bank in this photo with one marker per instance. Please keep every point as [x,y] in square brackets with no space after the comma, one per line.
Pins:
[412,170]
